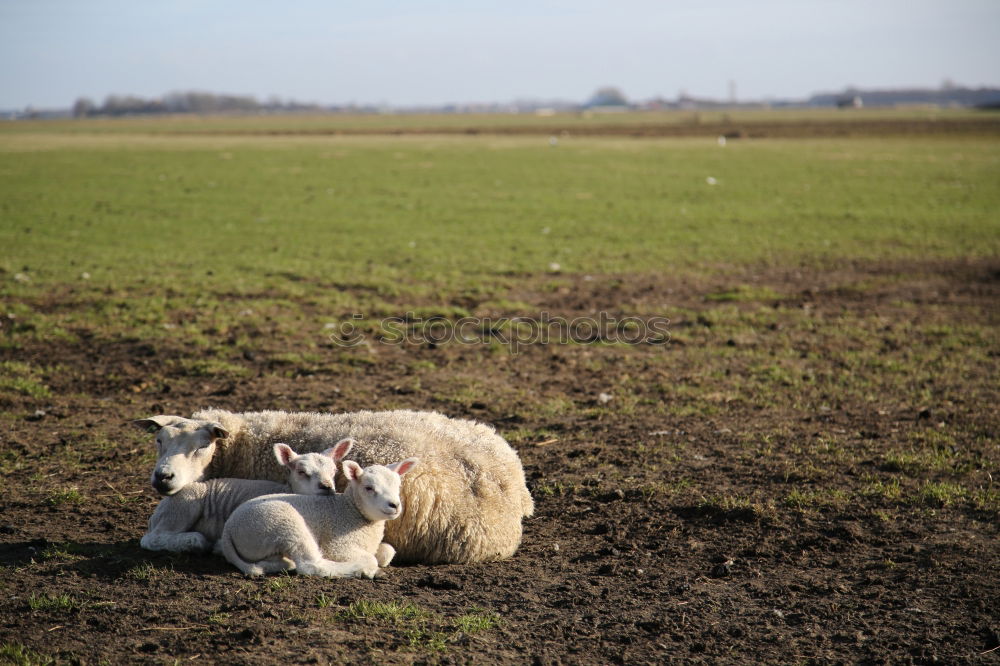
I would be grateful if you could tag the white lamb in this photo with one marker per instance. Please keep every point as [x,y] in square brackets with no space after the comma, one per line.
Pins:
[190,519]
[334,535]
[464,503]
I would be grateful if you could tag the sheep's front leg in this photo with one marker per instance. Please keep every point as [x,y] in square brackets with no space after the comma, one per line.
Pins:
[170,525]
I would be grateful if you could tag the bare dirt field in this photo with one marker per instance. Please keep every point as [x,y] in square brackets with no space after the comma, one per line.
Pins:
[802,473]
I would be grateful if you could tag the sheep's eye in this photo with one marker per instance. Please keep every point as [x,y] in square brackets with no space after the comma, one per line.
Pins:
[302,474]
[369,489]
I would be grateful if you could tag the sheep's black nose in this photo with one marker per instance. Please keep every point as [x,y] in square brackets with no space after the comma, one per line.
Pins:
[161,482]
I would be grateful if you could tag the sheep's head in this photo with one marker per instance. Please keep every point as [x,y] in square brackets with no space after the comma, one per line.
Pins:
[312,473]
[184,449]
[376,488]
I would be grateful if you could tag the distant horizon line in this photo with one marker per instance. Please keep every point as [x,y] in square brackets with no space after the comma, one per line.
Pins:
[277,101]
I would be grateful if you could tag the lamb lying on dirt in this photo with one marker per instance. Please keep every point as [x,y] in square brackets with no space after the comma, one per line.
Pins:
[191,518]
[464,503]
[334,535]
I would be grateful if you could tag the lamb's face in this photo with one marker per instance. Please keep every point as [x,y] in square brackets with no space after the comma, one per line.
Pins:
[376,488]
[312,473]
[184,449]
[309,473]
[380,494]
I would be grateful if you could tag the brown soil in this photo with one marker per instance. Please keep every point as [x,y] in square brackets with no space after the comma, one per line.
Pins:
[658,535]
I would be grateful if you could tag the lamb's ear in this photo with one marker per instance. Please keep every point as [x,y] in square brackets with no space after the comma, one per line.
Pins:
[340,449]
[216,431]
[352,470]
[404,466]
[283,453]
[154,423]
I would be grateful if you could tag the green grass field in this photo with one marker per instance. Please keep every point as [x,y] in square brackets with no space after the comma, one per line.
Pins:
[220,213]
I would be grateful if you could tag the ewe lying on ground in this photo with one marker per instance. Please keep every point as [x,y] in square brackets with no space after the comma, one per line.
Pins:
[191,519]
[333,536]
[464,504]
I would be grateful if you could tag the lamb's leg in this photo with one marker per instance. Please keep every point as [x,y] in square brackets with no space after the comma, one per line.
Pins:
[327,569]
[384,554]
[176,542]
[228,548]
[367,564]
[309,560]
[363,566]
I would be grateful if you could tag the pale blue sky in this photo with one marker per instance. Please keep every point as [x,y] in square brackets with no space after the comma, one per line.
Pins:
[432,52]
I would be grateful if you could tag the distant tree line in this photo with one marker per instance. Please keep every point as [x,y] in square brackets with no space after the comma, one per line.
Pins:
[947,95]
[183,102]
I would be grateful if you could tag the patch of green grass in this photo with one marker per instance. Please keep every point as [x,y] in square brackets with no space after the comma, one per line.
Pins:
[23,379]
[63,496]
[199,367]
[60,551]
[940,494]
[421,629]
[24,386]
[386,611]
[19,655]
[145,571]
[526,436]
[665,488]
[421,637]
[744,293]
[477,620]
[555,406]
[45,602]
[281,582]
[737,507]
[987,500]
[803,499]
[11,463]
[547,488]
[218,618]
[885,489]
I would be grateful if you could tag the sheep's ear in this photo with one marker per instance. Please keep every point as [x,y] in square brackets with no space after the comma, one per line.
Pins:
[216,431]
[404,466]
[154,423]
[352,470]
[340,449]
[283,453]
